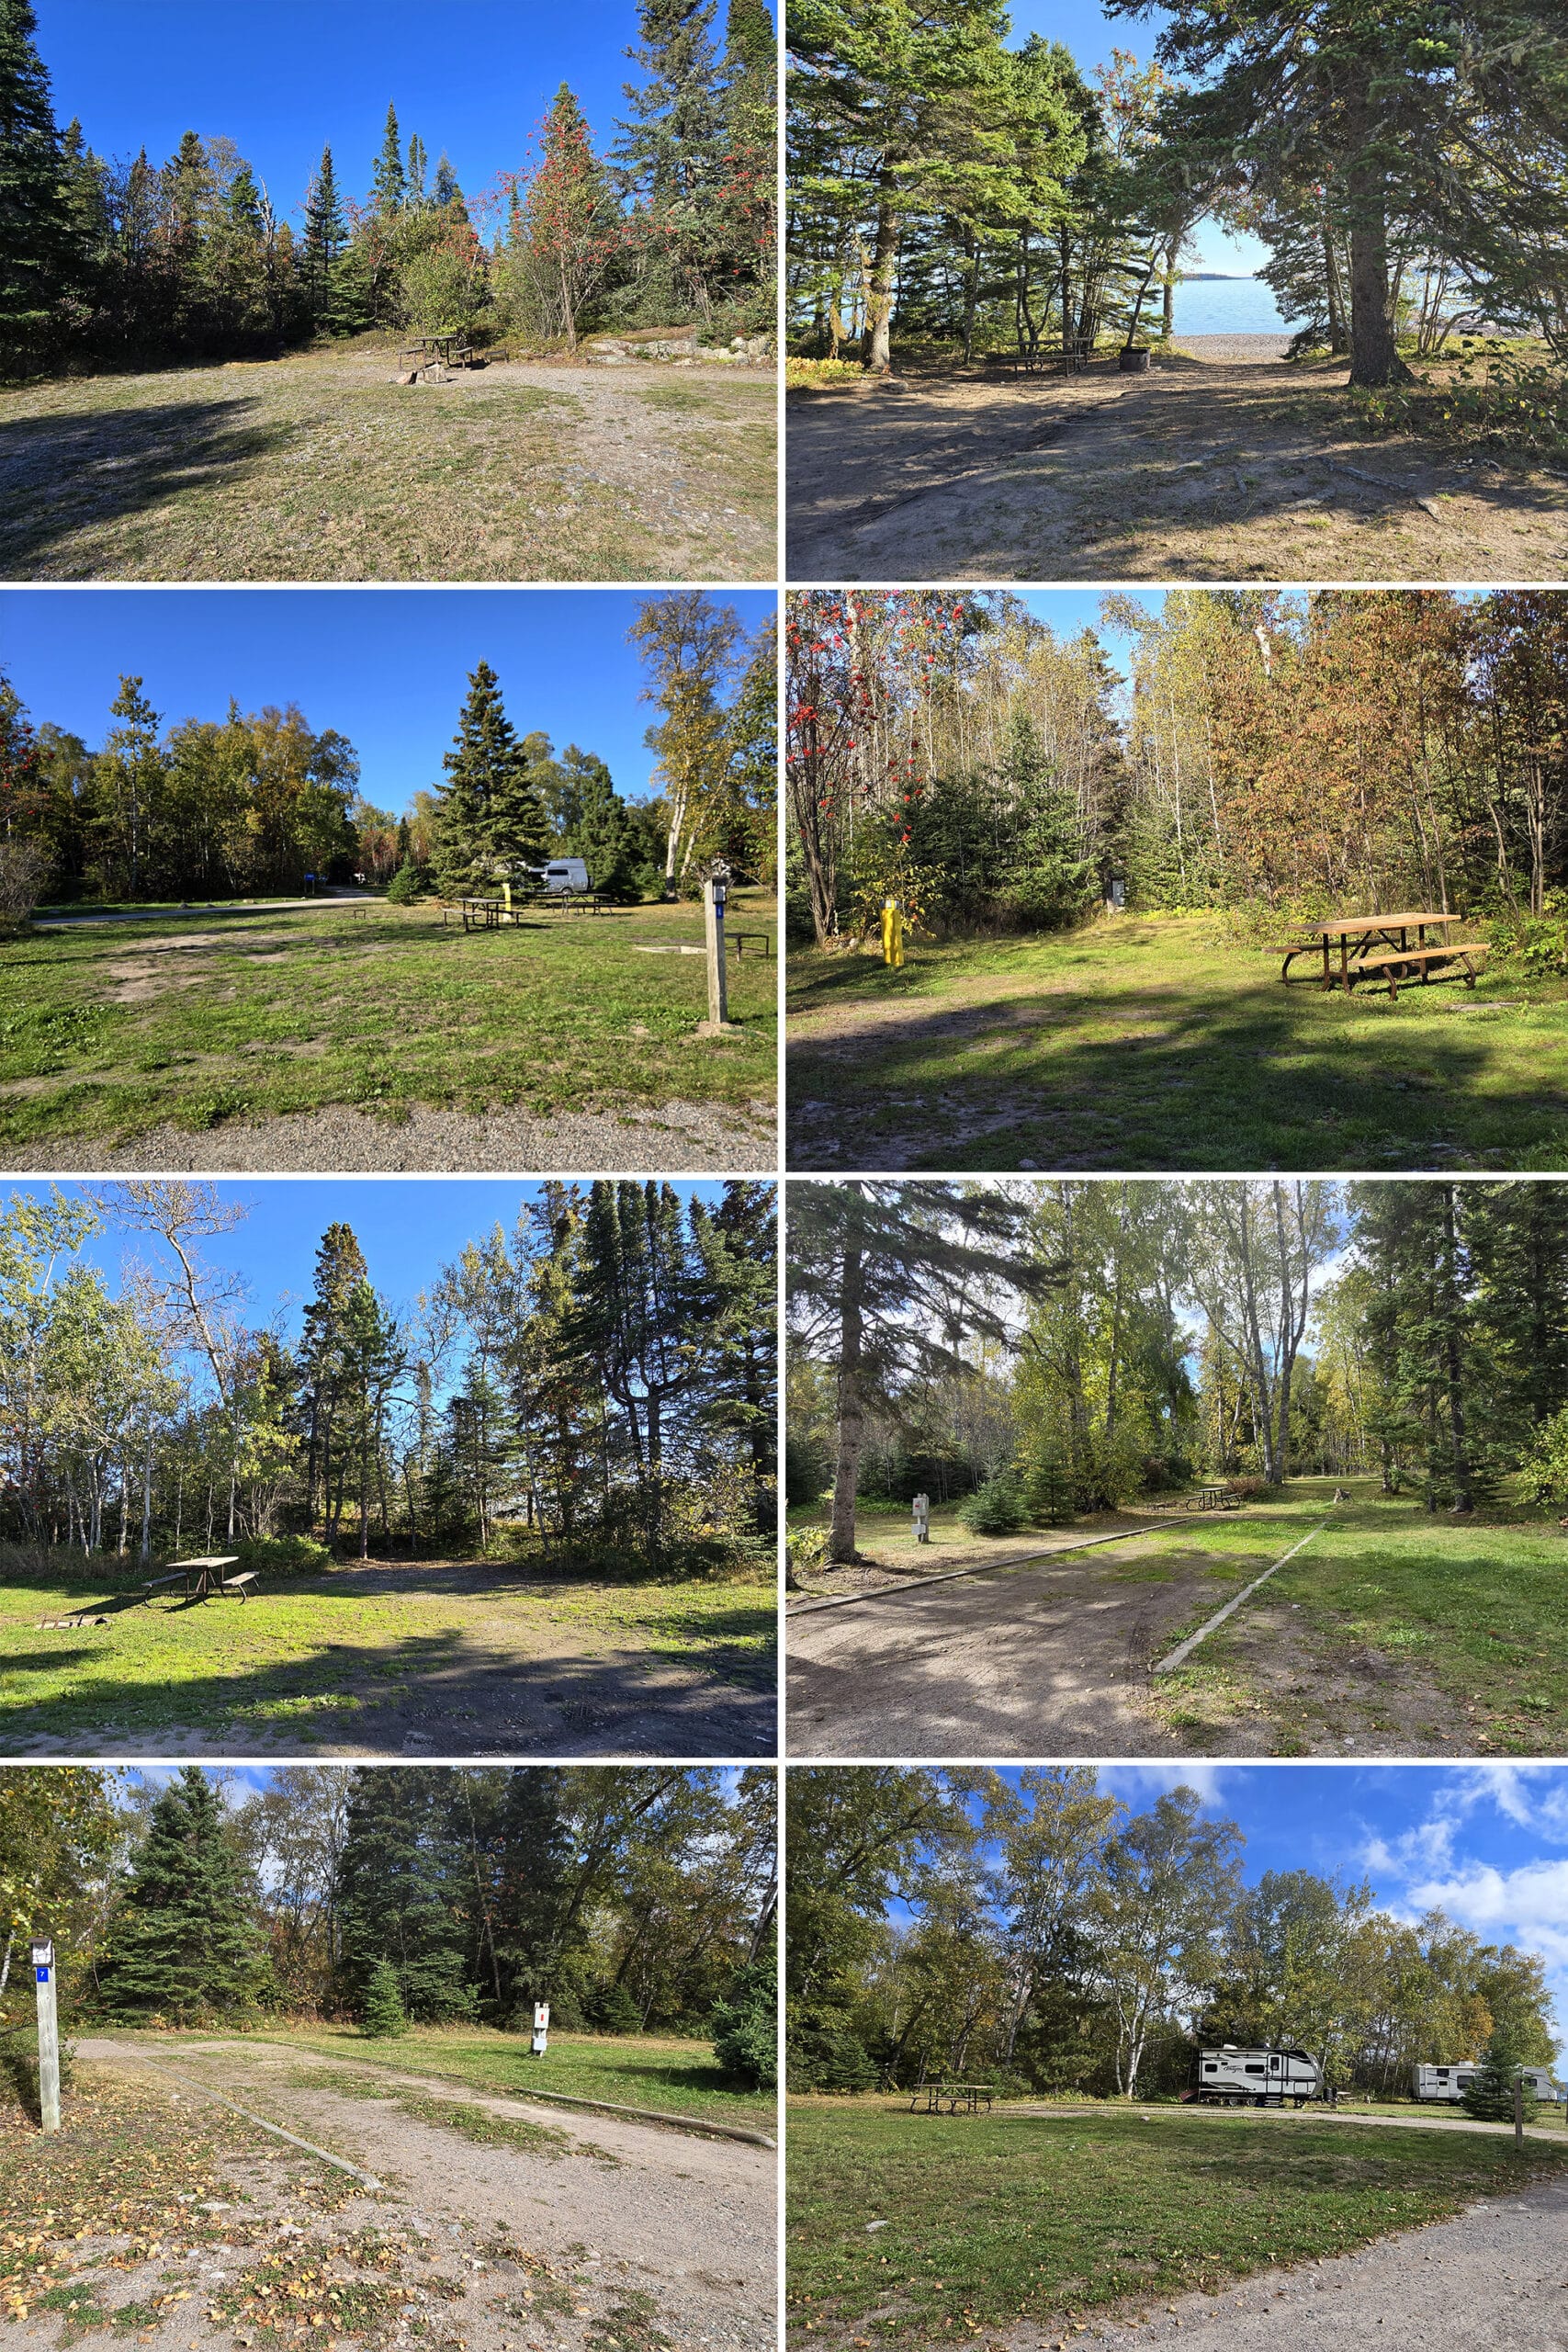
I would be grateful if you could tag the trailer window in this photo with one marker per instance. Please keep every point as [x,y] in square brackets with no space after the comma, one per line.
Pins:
[1257,2070]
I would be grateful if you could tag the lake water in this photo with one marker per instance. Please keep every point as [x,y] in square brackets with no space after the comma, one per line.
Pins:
[1227,306]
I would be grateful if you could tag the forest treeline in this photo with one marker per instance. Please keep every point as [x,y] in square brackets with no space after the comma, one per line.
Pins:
[1409,178]
[632,1899]
[595,1389]
[1043,1936]
[256,802]
[130,259]
[1272,755]
[1061,1348]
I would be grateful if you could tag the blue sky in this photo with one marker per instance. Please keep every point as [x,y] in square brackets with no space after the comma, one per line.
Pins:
[1487,1843]
[474,76]
[388,668]
[1082,27]
[408,1230]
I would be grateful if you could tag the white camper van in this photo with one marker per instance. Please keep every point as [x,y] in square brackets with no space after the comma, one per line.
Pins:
[564,877]
[1450,2083]
[1231,2076]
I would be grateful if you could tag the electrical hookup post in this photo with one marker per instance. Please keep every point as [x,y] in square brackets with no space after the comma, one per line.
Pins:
[47,2037]
[893,932]
[541,2028]
[921,1510]
[715,891]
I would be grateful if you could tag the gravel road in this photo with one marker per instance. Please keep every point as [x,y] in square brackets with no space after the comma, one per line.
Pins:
[689,2222]
[341,1141]
[1493,2279]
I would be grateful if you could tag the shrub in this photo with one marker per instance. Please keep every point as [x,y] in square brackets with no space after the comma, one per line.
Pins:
[1543,1473]
[406,884]
[24,869]
[382,2016]
[745,2027]
[1251,1488]
[283,1555]
[611,2009]
[805,1549]
[997,1507]
[441,288]
[820,374]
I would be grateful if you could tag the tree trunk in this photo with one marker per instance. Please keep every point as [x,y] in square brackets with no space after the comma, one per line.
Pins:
[876,343]
[1374,355]
[850,1402]
[1464,1499]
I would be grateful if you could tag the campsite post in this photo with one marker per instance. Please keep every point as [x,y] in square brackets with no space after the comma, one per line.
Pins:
[541,2028]
[715,890]
[47,2037]
[1519,2106]
[921,1508]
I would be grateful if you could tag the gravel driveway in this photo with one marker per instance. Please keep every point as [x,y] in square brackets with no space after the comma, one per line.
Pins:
[687,2220]
[340,1140]
[1493,2279]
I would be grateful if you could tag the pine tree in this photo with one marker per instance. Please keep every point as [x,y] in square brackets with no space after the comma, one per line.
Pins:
[185,1943]
[340,1272]
[746,2026]
[399,1892]
[381,2012]
[444,189]
[672,154]
[418,161]
[388,186]
[35,243]
[572,219]
[326,232]
[130,774]
[490,818]
[1489,2094]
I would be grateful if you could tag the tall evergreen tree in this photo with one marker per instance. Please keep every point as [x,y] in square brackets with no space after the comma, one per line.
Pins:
[443,188]
[418,163]
[490,818]
[340,1275]
[673,152]
[326,233]
[388,186]
[186,1943]
[399,1890]
[35,240]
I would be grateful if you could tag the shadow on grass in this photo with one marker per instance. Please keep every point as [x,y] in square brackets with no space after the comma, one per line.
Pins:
[440,1690]
[61,472]
[1067,1095]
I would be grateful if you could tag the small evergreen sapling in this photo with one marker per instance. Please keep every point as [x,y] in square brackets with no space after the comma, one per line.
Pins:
[382,2016]
[745,2027]
[997,1507]
[1489,2094]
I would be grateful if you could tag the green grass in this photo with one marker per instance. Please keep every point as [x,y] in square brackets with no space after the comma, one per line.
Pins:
[319,1655]
[1480,1606]
[1152,1042]
[320,467]
[631,2070]
[993,2221]
[106,1031]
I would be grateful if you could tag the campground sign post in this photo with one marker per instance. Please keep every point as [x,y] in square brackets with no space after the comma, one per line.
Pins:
[541,2028]
[47,2037]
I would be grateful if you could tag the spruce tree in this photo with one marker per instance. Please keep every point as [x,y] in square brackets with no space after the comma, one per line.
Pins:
[1489,2094]
[35,239]
[418,160]
[382,2014]
[400,1894]
[389,184]
[444,189]
[186,1943]
[674,152]
[490,818]
[340,1272]
[326,233]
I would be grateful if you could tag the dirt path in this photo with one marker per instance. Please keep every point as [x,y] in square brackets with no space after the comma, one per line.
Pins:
[1219,470]
[677,1137]
[1054,1658]
[1493,2277]
[618,2209]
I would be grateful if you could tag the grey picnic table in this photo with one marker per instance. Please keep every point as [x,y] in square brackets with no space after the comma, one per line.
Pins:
[1355,936]
[931,2097]
[206,1573]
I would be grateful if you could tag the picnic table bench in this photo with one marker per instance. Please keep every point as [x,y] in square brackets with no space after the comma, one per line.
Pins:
[1201,1498]
[929,2098]
[1071,357]
[1384,945]
[206,1573]
[449,350]
[763,939]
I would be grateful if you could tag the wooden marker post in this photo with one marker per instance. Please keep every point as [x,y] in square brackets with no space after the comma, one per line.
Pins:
[47,2037]
[541,2028]
[1519,2109]
[714,891]
[921,1506]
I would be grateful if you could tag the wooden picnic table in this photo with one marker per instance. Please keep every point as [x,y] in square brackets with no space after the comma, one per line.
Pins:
[208,1573]
[1362,933]
[929,2098]
[438,349]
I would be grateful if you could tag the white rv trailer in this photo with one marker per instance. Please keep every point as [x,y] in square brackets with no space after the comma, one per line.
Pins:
[1231,2076]
[1449,2082]
[563,878]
